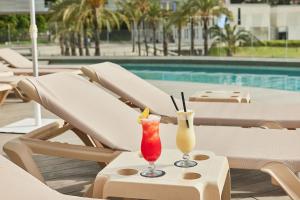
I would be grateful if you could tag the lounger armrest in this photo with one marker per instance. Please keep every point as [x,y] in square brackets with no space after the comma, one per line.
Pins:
[285,177]
[28,88]
[48,131]
[90,73]
[70,150]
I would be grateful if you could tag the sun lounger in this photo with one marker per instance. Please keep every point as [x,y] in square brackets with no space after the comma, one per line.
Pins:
[4,70]
[8,83]
[11,83]
[5,73]
[108,126]
[4,91]
[142,94]
[17,184]
[20,65]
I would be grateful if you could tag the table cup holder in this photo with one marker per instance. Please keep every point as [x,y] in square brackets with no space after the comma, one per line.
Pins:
[236,92]
[127,172]
[191,176]
[234,96]
[200,157]
[204,96]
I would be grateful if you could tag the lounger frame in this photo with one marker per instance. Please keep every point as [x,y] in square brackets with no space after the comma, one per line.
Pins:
[4,93]
[16,91]
[22,149]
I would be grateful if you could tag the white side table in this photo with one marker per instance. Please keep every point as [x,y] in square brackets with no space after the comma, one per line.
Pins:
[209,179]
[221,96]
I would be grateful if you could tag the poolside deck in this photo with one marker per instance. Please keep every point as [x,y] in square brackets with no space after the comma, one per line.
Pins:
[73,176]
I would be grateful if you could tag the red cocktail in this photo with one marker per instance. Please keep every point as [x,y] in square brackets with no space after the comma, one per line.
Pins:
[151,145]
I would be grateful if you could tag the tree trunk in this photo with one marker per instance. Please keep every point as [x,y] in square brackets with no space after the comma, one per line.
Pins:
[139,38]
[73,43]
[154,39]
[165,42]
[192,37]
[179,39]
[145,38]
[133,29]
[85,39]
[96,31]
[228,52]
[229,49]
[205,35]
[67,47]
[79,43]
[62,45]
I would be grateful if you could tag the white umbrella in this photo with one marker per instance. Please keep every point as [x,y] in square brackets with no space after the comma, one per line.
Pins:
[34,35]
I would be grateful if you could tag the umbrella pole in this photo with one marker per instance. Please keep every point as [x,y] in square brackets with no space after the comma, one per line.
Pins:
[34,35]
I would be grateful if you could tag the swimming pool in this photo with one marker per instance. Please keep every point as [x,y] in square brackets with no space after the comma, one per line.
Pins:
[283,78]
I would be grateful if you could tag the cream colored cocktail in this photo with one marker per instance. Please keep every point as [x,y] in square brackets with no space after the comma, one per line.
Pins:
[185,138]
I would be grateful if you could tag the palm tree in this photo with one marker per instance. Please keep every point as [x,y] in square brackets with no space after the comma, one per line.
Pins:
[179,18]
[192,23]
[57,17]
[67,45]
[100,17]
[166,26]
[85,27]
[95,6]
[83,17]
[143,7]
[188,11]
[231,36]
[205,9]
[78,15]
[128,14]
[75,12]
[135,11]
[153,18]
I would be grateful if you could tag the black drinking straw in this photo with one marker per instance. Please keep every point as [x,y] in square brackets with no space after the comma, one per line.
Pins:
[184,108]
[175,105]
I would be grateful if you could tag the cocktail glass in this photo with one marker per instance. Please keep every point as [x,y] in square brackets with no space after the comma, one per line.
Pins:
[151,145]
[185,138]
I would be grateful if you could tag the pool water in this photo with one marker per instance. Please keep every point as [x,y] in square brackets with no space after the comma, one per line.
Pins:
[283,78]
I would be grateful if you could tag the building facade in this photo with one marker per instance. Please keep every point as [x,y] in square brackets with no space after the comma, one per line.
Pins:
[255,18]
[285,22]
[268,22]
[21,6]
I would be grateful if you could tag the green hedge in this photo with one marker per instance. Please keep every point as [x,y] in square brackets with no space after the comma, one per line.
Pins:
[275,43]
[282,43]
[215,51]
